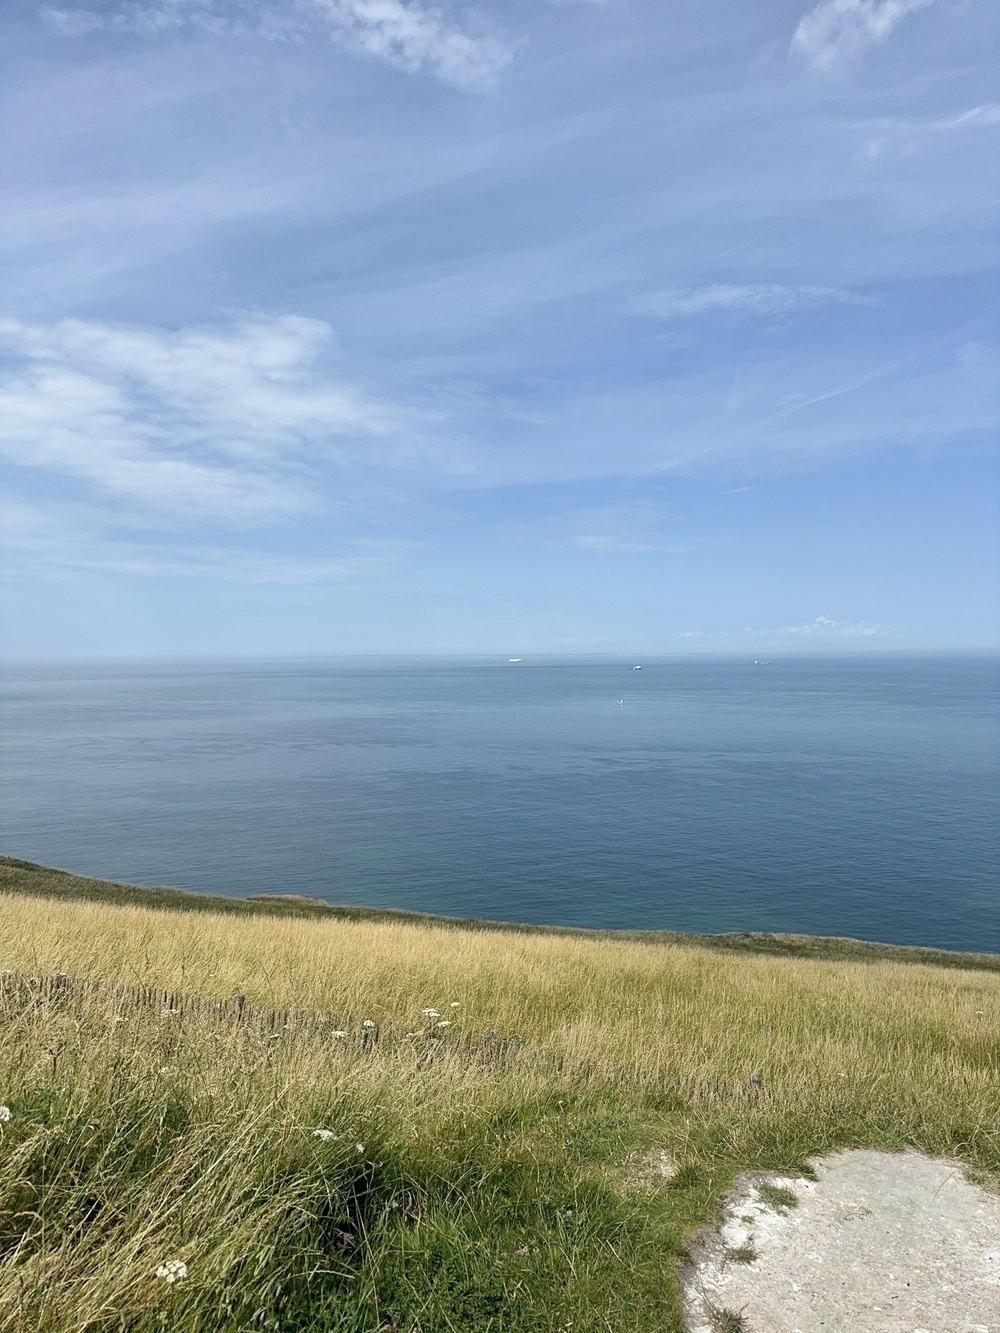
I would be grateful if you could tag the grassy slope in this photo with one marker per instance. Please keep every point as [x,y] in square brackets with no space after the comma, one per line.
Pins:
[26,877]
[509,1184]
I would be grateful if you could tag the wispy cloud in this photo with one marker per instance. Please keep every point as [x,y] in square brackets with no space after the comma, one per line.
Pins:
[220,424]
[632,527]
[904,137]
[409,36]
[987,114]
[66,541]
[601,544]
[824,627]
[838,29]
[758,298]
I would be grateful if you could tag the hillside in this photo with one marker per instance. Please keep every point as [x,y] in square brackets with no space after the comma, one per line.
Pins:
[317,1118]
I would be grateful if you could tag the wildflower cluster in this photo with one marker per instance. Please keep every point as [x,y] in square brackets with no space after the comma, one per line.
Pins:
[173,1270]
[435,1014]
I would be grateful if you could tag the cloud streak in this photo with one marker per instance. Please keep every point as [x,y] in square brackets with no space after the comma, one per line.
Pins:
[408,36]
[757,299]
[987,114]
[837,30]
[905,137]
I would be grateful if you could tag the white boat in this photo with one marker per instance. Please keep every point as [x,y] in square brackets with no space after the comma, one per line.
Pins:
[513,659]
[637,668]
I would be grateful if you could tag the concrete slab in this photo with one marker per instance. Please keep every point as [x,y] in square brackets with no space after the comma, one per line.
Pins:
[878,1243]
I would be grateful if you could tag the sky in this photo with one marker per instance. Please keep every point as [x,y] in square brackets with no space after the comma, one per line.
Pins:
[571,326]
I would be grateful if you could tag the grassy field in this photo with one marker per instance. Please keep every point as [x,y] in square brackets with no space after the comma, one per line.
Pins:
[414,1125]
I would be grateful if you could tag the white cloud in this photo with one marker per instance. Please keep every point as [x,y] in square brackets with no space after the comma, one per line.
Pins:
[763,299]
[407,35]
[414,38]
[838,29]
[824,627]
[199,424]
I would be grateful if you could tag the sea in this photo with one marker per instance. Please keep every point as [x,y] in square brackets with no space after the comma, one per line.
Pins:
[849,796]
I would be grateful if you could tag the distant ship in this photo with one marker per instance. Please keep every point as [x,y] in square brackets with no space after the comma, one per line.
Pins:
[637,668]
[759,661]
[513,659]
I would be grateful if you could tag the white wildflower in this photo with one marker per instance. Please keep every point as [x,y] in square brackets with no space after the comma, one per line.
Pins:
[5,1114]
[368,1023]
[338,1033]
[164,1069]
[359,1147]
[445,1023]
[324,1134]
[454,1004]
[173,1270]
[430,1013]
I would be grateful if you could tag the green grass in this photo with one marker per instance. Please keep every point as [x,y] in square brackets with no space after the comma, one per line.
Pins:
[502,1172]
[779,1197]
[742,1254]
[728,1321]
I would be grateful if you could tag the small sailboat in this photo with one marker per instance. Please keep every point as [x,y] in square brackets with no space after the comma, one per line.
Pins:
[637,668]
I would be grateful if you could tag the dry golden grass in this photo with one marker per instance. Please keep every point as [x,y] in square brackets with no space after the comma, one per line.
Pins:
[627,1047]
[645,1014]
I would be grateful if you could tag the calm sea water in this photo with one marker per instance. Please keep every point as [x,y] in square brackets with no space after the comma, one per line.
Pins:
[849,797]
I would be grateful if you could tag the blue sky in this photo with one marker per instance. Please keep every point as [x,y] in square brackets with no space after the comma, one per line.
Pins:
[572,326]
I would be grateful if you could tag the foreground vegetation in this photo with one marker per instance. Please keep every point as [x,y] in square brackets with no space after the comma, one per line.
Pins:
[403,1124]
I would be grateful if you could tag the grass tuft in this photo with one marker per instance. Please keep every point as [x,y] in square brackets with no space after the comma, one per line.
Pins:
[742,1254]
[779,1197]
[727,1321]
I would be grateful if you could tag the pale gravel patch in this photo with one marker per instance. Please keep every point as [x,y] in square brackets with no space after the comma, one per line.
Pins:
[878,1243]
[648,1171]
